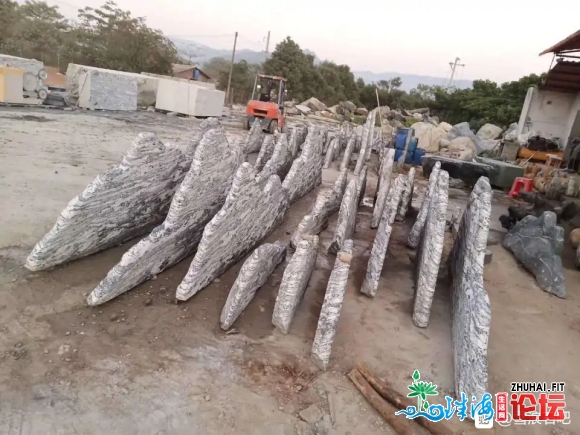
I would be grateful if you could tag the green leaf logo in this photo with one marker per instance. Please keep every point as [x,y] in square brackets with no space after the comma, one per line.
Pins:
[420,390]
[416,375]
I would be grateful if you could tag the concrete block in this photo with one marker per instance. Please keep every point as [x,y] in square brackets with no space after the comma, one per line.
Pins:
[415,233]
[346,217]
[189,99]
[384,184]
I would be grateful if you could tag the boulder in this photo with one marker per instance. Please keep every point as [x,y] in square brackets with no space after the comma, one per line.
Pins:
[292,111]
[336,109]
[314,104]
[511,132]
[489,131]
[464,130]
[429,136]
[444,143]
[304,110]
[290,103]
[462,148]
[348,105]
[387,131]
[445,126]
[417,116]
[384,110]
[363,111]
[326,114]
[575,238]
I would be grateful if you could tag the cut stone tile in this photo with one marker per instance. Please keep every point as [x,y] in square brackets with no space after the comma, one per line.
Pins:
[266,152]
[253,208]
[381,243]
[119,205]
[330,152]
[415,232]
[294,283]
[331,307]
[406,196]
[362,185]
[306,171]
[471,306]
[383,186]
[430,250]
[346,217]
[199,197]
[348,153]
[281,160]
[254,139]
[327,203]
[253,275]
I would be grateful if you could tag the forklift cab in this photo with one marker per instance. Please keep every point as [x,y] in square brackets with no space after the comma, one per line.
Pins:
[267,103]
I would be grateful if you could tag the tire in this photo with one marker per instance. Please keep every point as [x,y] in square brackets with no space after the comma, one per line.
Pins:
[42,74]
[42,94]
[273,127]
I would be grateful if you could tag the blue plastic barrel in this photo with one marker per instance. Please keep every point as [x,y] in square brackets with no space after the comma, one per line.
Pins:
[419,153]
[413,144]
[400,141]
[408,157]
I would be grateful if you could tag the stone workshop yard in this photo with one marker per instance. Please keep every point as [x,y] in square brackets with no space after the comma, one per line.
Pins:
[144,364]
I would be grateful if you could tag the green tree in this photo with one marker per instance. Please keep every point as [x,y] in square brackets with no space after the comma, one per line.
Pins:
[243,77]
[215,67]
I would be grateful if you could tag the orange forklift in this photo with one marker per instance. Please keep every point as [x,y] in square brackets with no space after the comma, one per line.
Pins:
[268,109]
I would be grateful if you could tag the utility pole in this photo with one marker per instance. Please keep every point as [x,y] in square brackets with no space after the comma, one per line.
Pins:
[231,68]
[267,44]
[454,66]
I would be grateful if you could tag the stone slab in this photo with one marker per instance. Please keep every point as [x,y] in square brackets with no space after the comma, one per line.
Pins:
[386,171]
[381,242]
[361,160]
[293,146]
[199,197]
[362,185]
[468,172]
[294,283]
[119,205]
[417,229]
[348,152]
[430,250]
[331,307]
[253,275]
[253,208]
[346,217]
[306,171]
[254,139]
[188,98]
[107,90]
[331,152]
[406,196]
[281,160]
[266,152]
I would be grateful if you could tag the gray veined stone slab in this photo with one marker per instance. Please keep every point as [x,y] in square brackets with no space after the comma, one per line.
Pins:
[346,217]
[199,197]
[406,196]
[430,250]
[415,233]
[204,127]
[371,119]
[281,160]
[253,275]
[383,187]
[306,171]
[254,207]
[330,153]
[348,153]
[254,139]
[118,205]
[266,152]
[294,283]
[381,243]
[331,307]
[363,151]
[471,307]
[362,185]
[293,142]
[327,203]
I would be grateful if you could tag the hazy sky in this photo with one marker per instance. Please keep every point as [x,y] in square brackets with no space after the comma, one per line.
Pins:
[497,40]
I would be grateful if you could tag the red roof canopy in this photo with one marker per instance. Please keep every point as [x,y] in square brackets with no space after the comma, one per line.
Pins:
[570,44]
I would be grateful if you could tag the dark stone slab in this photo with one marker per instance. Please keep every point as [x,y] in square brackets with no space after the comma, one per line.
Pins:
[468,172]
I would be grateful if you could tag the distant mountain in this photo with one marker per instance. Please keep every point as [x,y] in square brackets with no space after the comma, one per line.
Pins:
[410,81]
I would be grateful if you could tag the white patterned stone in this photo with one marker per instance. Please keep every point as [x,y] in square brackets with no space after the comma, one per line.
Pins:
[361,161]
[254,139]
[371,119]
[327,203]
[406,196]
[119,205]
[293,143]
[415,233]
[266,152]
[381,243]
[254,207]
[199,197]
[253,275]
[471,306]
[281,160]
[331,152]
[348,152]
[362,185]
[306,171]
[294,283]
[331,307]
[429,253]
[346,217]
[384,184]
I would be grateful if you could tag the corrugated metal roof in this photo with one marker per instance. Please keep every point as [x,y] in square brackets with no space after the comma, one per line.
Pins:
[563,77]
[571,43]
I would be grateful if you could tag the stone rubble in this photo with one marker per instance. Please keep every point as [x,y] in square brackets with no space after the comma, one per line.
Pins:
[346,217]
[384,183]
[415,233]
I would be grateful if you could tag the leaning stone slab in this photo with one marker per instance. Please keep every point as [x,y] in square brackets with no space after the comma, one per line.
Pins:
[471,307]
[379,249]
[406,196]
[119,205]
[348,152]
[266,152]
[331,307]
[362,185]
[330,152]
[293,142]
[253,275]
[384,184]
[363,151]
[294,283]
[538,244]
[254,139]
[199,197]
[281,160]
[327,203]
[429,252]
[415,232]
[306,171]
[254,207]
[346,217]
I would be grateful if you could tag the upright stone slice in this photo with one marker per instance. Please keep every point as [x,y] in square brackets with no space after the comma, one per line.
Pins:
[415,232]
[294,283]
[293,146]
[383,188]
[361,161]
[346,217]
[266,152]
[254,139]
[253,208]
[406,196]
[381,243]
[430,250]
[362,185]
[253,275]
[331,307]
[348,152]
[199,197]
[119,205]
[330,152]
[280,161]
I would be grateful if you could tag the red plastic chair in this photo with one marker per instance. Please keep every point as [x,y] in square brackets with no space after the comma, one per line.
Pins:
[519,182]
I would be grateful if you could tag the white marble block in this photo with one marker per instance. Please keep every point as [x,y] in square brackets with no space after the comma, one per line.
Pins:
[107,90]
[429,253]
[384,184]
[119,205]
[266,152]
[406,196]
[348,152]
[415,233]
[327,203]
[471,306]
[331,307]
[254,139]
[381,243]
[188,98]
[346,217]
[254,207]
[294,283]
[281,160]
[306,171]
[199,197]
[253,275]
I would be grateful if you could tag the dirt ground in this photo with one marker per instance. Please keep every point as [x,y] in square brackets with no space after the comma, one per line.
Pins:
[166,368]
